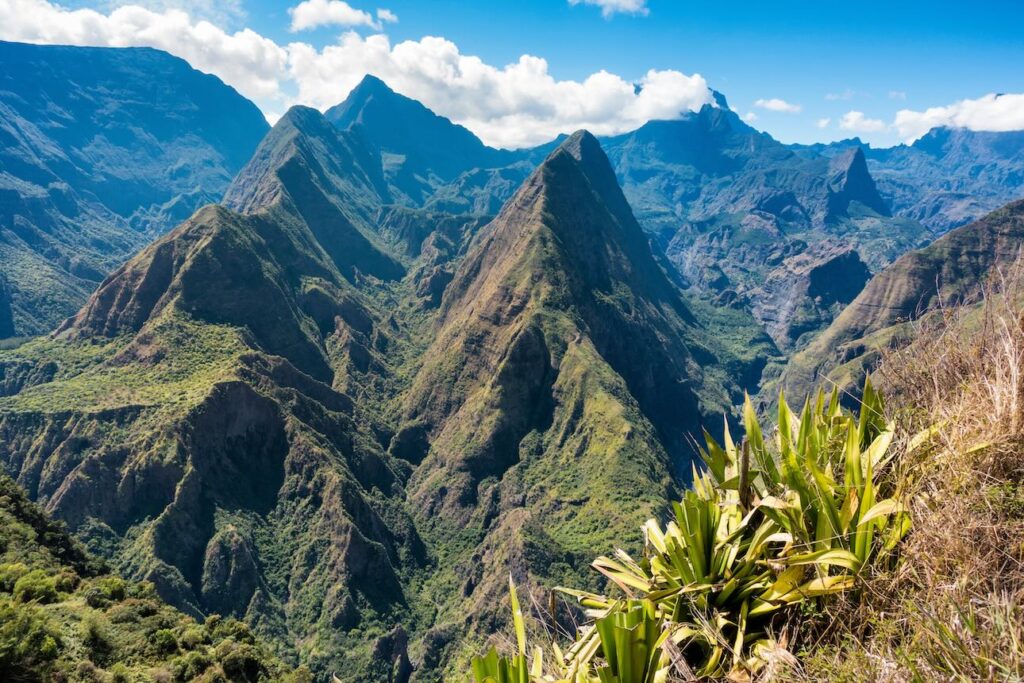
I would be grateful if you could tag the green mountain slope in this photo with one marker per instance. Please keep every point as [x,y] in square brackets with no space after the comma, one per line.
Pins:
[64,616]
[100,150]
[947,272]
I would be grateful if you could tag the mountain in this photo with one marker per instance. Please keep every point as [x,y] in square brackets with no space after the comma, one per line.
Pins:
[948,177]
[422,151]
[256,414]
[202,443]
[100,150]
[745,219]
[67,617]
[562,383]
[947,272]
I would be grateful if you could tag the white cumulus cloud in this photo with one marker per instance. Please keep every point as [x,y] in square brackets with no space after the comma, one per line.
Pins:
[314,13]
[776,104]
[221,12]
[518,104]
[993,113]
[610,7]
[823,123]
[248,61]
[857,122]
[750,117]
[515,105]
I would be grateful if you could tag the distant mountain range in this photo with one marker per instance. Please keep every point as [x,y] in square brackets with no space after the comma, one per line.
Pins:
[100,151]
[753,224]
[391,365]
[948,177]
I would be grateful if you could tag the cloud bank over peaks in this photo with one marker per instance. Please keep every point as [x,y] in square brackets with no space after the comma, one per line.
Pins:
[519,104]
[990,113]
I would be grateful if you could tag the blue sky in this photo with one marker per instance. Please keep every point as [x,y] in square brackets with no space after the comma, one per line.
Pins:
[789,65]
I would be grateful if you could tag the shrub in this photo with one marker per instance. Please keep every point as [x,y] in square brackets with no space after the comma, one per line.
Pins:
[9,574]
[241,663]
[119,673]
[67,581]
[191,665]
[194,637]
[96,598]
[95,638]
[27,642]
[113,588]
[36,586]
[164,642]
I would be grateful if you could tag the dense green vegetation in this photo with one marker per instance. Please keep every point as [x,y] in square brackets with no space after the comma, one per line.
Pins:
[65,617]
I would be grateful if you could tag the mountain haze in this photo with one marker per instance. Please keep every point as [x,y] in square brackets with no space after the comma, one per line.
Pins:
[100,150]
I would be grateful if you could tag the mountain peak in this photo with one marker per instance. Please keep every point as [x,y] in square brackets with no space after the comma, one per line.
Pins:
[580,144]
[372,82]
[851,181]
[423,148]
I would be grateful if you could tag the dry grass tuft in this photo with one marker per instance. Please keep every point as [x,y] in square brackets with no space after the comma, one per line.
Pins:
[954,610]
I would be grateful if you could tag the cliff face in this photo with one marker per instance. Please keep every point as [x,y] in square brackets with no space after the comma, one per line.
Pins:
[949,271]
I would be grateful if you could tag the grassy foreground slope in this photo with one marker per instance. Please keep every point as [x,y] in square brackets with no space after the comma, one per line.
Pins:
[953,609]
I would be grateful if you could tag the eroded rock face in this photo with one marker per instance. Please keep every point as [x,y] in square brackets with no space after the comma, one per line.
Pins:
[807,291]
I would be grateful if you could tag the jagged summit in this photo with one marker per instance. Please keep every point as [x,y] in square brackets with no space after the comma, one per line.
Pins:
[423,150]
[327,177]
[851,181]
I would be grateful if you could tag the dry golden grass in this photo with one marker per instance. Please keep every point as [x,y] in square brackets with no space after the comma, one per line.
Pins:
[952,610]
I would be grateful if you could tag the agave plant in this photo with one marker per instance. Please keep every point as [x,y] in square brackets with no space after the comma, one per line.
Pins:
[762,529]
[494,668]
